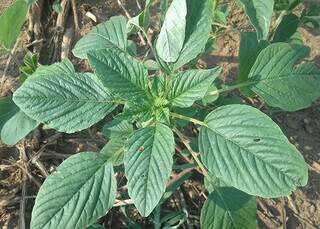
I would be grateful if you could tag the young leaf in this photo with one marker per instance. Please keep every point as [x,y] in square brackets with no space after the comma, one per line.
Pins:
[172,34]
[250,48]
[279,83]
[247,150]
[227,208]
[148,163]
[11,22]
[120,73]
[287,27]
[7,110]
[62,99]
[260,14]
[82,190]
[198,28]
[16,128]
[192,85]
[110,34]
[114,151]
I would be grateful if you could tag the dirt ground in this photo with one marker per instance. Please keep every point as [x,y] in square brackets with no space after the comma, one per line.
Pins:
[43,150]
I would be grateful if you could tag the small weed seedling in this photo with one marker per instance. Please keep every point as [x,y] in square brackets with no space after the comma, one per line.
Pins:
[166,104]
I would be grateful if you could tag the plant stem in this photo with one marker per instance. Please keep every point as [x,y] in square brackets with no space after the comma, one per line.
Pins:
[277,23]
[186,142]
[193,120]
[230,88]
[157,217]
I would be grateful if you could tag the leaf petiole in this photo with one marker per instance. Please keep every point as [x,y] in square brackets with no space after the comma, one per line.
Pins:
[230,88]
[186,118]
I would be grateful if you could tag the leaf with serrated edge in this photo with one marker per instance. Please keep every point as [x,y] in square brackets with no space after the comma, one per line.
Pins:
[246,149]
[198,28]
[62,99]
[148,163]
[172,34]
[109,34]
[17,127]
[191,85]
[260,15]
[81,191]
[120,73]
[229,208]
[274,77]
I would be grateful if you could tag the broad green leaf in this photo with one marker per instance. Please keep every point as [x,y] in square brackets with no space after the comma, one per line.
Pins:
[7,110]
[172,34]
[247,150]
[117,128]
[198,28]
[11,22]
[148,163]
[114,151]
[260,15]
[120,73]
[16,128]
[62,99]
[287,27]
[250,48]
[228,208]
[279,83]
[109,34]
[81,191]
[192,85]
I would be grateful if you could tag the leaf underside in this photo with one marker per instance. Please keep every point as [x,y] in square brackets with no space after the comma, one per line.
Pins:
[172,34]
[260,15]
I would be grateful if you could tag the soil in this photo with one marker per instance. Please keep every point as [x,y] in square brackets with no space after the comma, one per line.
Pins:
[19,174]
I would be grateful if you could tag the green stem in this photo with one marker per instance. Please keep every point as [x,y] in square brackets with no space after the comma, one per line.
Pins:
[189,119]
[157,217]
[230,88]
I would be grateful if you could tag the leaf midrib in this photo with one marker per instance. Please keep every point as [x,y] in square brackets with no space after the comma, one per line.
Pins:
[248,152]
[102,166]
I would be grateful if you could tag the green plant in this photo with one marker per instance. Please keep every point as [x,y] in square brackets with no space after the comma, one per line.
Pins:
[240,151]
